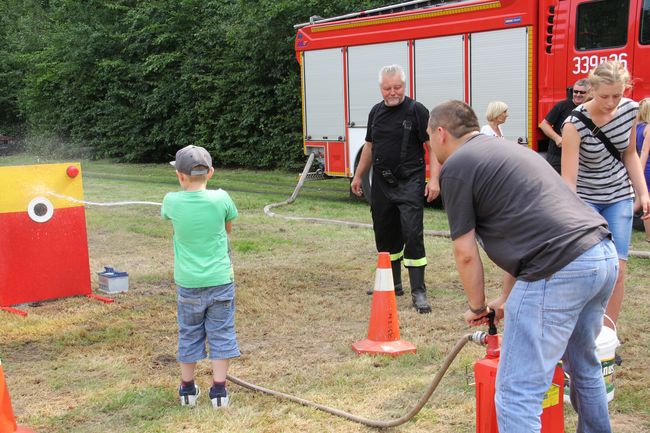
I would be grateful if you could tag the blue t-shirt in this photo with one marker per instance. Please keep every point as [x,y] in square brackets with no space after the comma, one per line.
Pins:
[640,127]
[200,239]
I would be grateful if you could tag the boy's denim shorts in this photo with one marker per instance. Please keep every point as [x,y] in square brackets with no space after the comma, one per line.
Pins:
[206,314]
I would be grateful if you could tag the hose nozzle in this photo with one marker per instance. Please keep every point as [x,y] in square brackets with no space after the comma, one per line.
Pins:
[479,337]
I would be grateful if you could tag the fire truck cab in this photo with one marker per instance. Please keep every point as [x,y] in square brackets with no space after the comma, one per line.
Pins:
[525,53]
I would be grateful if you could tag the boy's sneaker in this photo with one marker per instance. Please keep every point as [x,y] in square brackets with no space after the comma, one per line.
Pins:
[219,399]
[189,396]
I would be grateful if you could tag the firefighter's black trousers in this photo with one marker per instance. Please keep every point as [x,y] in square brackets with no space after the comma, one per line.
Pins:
[397,218]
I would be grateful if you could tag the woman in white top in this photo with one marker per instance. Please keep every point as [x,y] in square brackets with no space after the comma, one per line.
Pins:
[496,113]
[607,179]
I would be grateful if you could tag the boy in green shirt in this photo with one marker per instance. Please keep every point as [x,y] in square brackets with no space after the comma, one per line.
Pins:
[202,219]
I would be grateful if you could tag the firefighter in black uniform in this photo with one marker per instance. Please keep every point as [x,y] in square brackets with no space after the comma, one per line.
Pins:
[394,148]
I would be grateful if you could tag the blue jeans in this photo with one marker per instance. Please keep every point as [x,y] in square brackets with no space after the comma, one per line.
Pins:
[206,314]
[552,319]
[619,218]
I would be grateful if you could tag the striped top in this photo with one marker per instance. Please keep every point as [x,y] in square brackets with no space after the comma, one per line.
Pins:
[601,178]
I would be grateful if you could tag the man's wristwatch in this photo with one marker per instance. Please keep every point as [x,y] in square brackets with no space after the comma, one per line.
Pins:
[479,310]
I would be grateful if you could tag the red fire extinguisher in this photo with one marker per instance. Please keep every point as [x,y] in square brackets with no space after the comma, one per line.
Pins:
[485,374]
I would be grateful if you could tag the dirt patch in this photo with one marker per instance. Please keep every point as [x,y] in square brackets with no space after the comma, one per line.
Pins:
[27,351]
[630,424]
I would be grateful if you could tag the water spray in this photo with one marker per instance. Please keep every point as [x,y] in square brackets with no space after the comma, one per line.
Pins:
[94,203]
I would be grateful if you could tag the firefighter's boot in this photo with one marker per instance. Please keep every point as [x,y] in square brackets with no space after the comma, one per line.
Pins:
[419,290]
[396,267]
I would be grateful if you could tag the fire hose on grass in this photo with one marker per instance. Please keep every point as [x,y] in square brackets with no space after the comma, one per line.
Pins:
[477,337]
[301,181]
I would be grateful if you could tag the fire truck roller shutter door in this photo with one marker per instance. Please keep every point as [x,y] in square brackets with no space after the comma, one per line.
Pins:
[364,63]
[324,100]
[435,80]
[499,72]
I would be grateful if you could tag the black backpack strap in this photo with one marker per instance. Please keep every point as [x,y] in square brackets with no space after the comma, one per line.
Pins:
[408,126]
[596,132]
[372,115]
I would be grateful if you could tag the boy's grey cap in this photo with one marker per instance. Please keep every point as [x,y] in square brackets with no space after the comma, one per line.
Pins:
[192,156]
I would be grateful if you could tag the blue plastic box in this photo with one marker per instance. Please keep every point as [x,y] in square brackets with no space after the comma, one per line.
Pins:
[113,281]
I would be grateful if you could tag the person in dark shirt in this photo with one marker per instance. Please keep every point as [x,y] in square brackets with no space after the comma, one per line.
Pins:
[557,253]
[394,149]
[552,123]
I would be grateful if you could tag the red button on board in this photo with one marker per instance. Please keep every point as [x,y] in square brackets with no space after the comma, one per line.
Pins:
[72,171]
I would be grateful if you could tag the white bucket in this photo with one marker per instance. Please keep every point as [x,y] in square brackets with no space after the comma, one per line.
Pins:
[606,344]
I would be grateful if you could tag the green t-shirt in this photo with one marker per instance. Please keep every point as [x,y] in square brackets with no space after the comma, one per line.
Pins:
[200,239]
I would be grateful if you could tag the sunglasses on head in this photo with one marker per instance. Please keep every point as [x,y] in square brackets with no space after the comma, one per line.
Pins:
[579,92]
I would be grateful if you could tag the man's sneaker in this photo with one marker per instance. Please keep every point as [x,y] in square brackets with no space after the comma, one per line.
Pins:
[219,399]
[189,396]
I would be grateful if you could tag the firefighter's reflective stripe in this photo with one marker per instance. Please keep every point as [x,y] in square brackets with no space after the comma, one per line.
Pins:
[414,263]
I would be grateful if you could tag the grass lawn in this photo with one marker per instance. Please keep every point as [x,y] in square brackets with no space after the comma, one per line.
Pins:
[76,365]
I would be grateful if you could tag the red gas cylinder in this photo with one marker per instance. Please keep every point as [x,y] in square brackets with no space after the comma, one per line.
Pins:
[485,374]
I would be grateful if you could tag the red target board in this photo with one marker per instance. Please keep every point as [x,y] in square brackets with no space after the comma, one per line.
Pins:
[43,241]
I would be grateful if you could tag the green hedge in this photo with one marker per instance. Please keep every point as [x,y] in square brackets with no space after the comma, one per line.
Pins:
[136,81]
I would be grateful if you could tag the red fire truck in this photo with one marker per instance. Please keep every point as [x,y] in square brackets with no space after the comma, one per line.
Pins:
[527,53]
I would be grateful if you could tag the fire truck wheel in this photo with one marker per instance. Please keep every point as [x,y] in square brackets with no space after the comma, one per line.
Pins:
[366,185]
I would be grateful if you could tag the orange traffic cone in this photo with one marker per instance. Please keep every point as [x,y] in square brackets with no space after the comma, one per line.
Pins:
[383,329]
[7,420]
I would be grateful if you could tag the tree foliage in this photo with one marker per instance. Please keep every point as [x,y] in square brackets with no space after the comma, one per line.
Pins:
[137,80]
